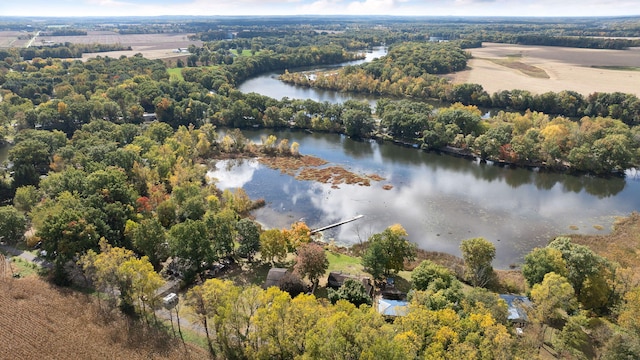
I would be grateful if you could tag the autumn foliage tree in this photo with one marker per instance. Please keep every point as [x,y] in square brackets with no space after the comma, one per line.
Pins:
[298,235]
[311,262]
[273,245]
[478,253]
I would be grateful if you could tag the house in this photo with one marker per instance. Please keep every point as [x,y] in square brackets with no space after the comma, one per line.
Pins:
[517,309]
[337,278]
[273,277]
[392,308]
[149,117]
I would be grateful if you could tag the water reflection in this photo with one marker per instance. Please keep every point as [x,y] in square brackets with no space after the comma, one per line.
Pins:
[233,173]
[440,200]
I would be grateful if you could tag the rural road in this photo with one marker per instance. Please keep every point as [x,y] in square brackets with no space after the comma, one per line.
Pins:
[26,255]
[32,40]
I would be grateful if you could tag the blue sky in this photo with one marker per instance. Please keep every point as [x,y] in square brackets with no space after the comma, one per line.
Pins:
[320,7]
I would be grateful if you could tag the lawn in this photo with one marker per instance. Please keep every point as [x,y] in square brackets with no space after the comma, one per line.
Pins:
[175,73]
[344,263]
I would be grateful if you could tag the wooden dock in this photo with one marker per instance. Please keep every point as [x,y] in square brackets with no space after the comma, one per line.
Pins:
[336,224]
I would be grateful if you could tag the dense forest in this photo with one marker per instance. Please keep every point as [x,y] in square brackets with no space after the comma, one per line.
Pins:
[111,196]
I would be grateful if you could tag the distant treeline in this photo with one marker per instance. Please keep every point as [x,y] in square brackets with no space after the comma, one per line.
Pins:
[567,41]
[64,32]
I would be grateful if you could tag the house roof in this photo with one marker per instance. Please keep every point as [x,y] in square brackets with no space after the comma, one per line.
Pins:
[337,278]
[273,277]
[516,307]
[389,307]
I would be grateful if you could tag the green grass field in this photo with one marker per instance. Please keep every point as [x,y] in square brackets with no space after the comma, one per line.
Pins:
[344,263]
[175,73]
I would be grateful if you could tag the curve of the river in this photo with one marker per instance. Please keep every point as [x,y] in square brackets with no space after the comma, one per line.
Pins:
[439,199]
[269,85]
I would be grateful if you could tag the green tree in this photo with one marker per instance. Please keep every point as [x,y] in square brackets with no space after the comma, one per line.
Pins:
[190,242]
[221,227]
[541,261]
[581,262]
[573,338]
[12,224]
[357,123]
[248,237]
[622,347]
[351,290]
[273,245]
[480,300]
[149,238]
[66,234]
[429,274]
[26,198]
[387,251]
[30,158]
[311,262]
[478,253]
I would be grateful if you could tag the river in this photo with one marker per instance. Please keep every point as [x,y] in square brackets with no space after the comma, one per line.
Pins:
[439,199]
[269,85]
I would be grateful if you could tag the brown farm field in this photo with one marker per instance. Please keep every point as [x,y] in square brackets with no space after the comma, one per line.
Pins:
[12,39]
[41,321]
[152,46]
[583,70]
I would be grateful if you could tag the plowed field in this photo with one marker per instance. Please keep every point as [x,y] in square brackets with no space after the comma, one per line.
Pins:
[41,321]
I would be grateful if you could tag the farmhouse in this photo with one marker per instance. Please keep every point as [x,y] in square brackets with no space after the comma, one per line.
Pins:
[517,309]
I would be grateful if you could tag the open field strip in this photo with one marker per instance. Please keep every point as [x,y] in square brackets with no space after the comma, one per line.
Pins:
[582,70]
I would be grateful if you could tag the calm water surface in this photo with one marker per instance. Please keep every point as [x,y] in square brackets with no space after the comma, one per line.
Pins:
[269,85]
[439,199]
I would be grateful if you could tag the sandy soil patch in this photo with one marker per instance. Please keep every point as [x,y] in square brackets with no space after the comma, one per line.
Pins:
[568,69]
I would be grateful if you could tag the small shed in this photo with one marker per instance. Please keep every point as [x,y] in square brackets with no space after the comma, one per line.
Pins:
[393,308]
[273,277]
[517,309]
